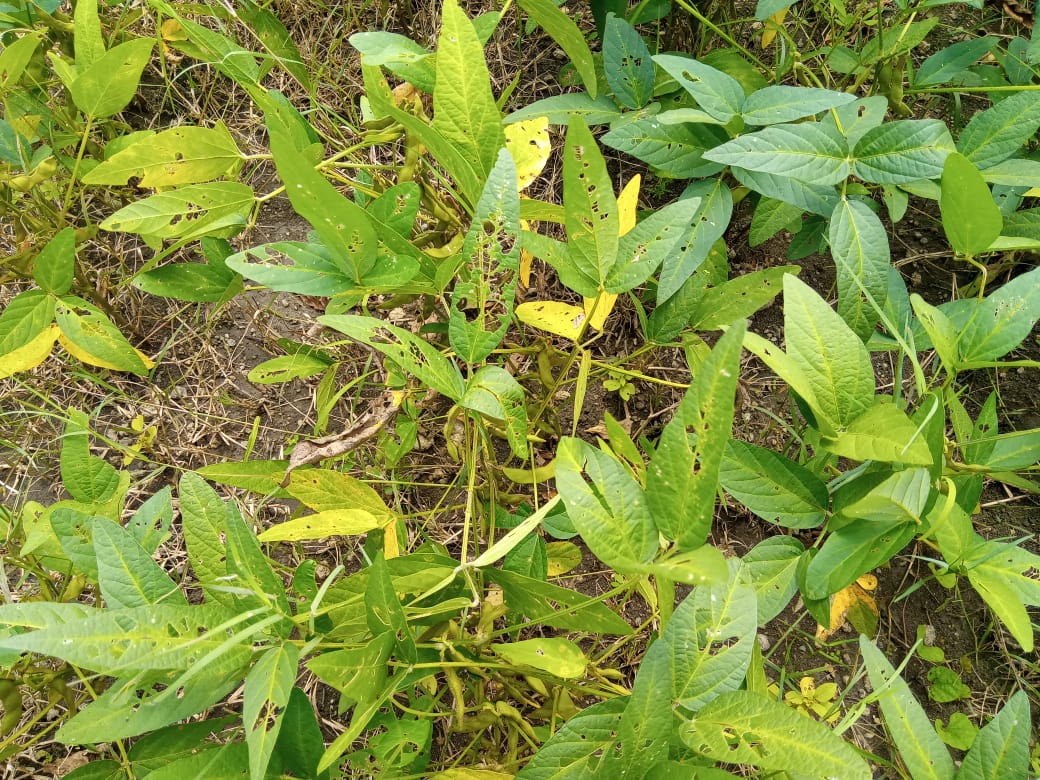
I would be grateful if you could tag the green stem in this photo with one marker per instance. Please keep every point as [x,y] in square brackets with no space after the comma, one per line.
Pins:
[67,200]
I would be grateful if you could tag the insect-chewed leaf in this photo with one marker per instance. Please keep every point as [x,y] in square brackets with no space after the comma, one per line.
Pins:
[560,657]
[556,317]
[528,143]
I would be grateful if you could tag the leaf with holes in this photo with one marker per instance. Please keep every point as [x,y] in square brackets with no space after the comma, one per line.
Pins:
[683,476]
[673,150]
[264,698]
[127,575]
[180,155]
[712,205]
[717,93]
[772,486]
[627,64]
[778,104]
[215,209]
[493,392]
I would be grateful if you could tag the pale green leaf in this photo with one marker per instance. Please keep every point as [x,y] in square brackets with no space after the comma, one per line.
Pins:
[717,93]
[54,267]
[709,220]
[829,355]
[559,657]
[919,746]
[109,83]
[611,514]
[88,40]
[771,568]
[1001,748]
[331,522]
[126,572]
[93,338]
[24,318]
[739,297]
[217,208]
[464,109]
[412,353]
[882,433]
[180,155]
[582,745]
[814,198]
[742,727]
[87,478]
[204,524]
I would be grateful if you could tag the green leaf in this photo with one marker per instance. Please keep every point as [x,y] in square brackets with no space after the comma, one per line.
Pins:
[275,40]
[95,339]
[560,108]
[971,219]
[551,605]
[343,226]
[229,761]
[710,221]
[999,132]
[126,572]
[464,110]
[717,93]
[265,696]
[708,641]
[314,270]
[814,198]
[155,750]
[771,567]
[218,208]
[180,155]
[53,268]
[398,54]
[24,318]
[770,217]
[485,286]
[145,702]
[1015,450]
[919,746]
[738,298]
[581,746]
[591,218]
[120,641]
[384,611]
[493,392]
[851,551]
[653,240]
[1001,748]
[774,105]
[300,742]
[204,524]
[627,64]
[895,40]
[673,150]
[945,685]
[150,524]
[902,151]
[106,86]
[961,732]
[412,353]
[647,723]
[856,118]
[742,727]
[286,368]
[250,571]
[87,478]
[192,282]
[565,32]
[222,53]
[951,63]
[559,657]
[683,476]
[611,514]
[773,487]
[882,433]
[105,769]
[808,152]
[859,245]
[833,360]
[1001,322]
[259,476]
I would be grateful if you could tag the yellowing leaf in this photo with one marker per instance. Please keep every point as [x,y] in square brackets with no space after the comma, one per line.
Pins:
[332,522]
[29,355]
[562,557]
[599,308]
[772,25]
[628,202]
[172,30]
[526,259]
[146,437]
[530,476]
[853,597]
[556,317]
[528,143]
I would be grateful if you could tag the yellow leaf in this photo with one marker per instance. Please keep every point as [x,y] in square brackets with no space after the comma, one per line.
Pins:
[29,355]
[526,259]
[172,30]
[391,545]
[844,600]
[561,557]
[773,23]
[528,142]
[322,525]
[93,360]
[561,319]
[628,202]
[599,308]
